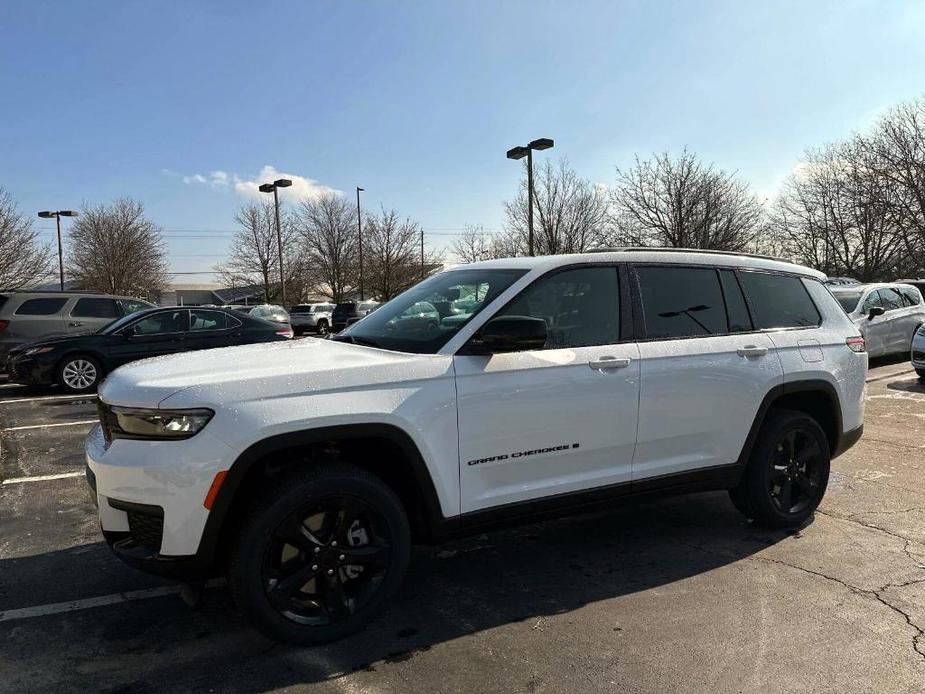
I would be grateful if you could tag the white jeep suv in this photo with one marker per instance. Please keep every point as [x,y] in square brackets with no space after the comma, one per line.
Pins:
[304,470]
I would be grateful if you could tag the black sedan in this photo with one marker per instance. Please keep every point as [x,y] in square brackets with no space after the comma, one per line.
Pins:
[77,363]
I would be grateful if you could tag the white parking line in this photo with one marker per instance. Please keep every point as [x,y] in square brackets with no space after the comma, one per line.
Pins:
[89,396]
[101,601]
[43,478]
[47,426]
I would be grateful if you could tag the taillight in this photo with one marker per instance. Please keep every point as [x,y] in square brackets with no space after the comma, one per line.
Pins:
[285,333]
[3,324]
[856,344]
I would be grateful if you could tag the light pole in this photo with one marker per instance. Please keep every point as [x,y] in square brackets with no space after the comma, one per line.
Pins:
[58,215]
[360,239]
[271,188]
[519,153]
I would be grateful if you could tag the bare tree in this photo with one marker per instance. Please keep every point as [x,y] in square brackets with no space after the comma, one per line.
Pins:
[896,151]
[475,244]
[392,254]
[569,216]
[835,213]
[327,227]
[23,260]
[681,203]
[117,249]
[254,255]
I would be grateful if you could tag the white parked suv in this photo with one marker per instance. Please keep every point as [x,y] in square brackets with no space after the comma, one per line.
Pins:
[311,317]
[304,470]
[888,314]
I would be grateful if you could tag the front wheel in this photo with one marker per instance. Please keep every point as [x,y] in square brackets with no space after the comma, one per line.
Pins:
[322,328]
[320,554]
[787,473]
[79,373]
[921,374]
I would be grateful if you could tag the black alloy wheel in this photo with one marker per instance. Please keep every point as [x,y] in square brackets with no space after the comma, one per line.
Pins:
[787,472]
[798,466]
[326,560]
[322,327]
[319,553]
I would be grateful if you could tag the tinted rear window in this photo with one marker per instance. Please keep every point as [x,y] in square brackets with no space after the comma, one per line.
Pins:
[348,307]
[848,300]
[779,301]
[300,309]
[40,307]
[681,302]
[95,308]
[2,300]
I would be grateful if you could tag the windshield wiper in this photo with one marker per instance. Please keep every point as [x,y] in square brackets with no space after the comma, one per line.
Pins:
[356,340]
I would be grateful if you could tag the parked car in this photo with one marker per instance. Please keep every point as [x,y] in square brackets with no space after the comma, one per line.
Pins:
[887,314]
[270,312]
[77,363]
[917,283]
[842,281]
[311,317]
[303,471]
[28,316]
[349,312]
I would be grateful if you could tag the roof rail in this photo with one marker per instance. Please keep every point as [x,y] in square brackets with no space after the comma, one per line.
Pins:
[661,249]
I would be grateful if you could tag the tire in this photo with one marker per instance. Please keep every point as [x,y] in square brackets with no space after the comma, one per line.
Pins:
[297,331]
[322,327]
[304,523]
[78,373]
[777,489]
[921,373]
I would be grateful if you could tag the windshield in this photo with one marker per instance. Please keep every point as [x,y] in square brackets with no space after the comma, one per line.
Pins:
[117,323]
[848,300]
[425,317]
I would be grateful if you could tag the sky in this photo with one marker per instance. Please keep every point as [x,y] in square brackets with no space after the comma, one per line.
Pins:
[188,106]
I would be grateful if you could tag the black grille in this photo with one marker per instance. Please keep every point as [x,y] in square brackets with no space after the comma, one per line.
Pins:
[146,530]
[107,420]
[918,356]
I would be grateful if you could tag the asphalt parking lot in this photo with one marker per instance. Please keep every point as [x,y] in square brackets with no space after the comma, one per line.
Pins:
[678,594]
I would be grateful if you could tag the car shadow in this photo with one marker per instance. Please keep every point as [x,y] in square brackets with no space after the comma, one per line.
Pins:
[518,575]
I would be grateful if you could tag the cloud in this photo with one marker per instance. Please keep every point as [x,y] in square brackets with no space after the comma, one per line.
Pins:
[302,188]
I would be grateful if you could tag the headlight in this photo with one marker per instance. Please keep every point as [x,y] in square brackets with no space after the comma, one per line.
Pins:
[921,330]
[37,350]
[132,423]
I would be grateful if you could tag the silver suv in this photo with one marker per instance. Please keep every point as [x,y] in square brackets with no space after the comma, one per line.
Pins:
[311,317]
[28,316]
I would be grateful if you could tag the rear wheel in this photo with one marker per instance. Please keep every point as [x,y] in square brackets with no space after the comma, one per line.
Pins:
[79,373]
[320,554]
[787,473]
[322,328]
[297,331]
[921,373]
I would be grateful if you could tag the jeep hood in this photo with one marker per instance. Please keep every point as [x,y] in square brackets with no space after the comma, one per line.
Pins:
[253,372]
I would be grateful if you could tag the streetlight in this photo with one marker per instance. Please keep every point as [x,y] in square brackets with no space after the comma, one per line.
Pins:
[271,188]
[360,240]
[519,153]
[46,214]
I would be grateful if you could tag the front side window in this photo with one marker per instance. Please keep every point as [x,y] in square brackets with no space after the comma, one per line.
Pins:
[891,299]
[133,305]
[581,307]
[40,307]
[160,323]
[871,300]
[95,308]
[779,301]
[681,302]
[388,326]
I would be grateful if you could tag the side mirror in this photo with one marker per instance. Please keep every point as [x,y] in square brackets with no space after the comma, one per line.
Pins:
[509,334]
[130,331]
[875,311]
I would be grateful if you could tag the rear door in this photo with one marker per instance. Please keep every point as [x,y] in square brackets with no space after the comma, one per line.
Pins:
[704,369]
[90,313]
[209,329]
[159,333]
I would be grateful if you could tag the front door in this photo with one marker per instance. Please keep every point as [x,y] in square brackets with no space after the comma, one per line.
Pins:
[555,420]
[163,332]
[90,313]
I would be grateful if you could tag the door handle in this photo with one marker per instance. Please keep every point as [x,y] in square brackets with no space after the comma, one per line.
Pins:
[75,324]
[751,351]
[609,363]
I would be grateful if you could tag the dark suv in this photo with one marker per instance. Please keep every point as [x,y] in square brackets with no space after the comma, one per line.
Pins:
[28,316]
[349,312]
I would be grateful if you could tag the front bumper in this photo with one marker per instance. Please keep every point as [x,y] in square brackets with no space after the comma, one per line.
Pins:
[30,370]
[847,440]
[918,351]
[150,497]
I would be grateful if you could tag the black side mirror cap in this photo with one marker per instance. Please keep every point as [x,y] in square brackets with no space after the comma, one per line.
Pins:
[508,334]
[875,311]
